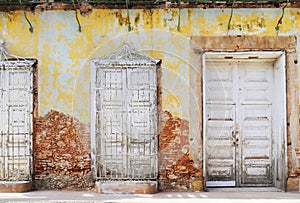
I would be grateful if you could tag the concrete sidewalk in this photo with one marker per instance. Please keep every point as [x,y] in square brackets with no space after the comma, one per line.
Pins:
[223,196]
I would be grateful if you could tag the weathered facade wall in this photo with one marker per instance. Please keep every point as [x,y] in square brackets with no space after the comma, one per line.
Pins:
[64,53]
[62,140]
[177,169]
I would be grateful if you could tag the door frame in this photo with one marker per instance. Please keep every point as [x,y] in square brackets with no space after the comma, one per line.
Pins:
[278,57]
[106,63]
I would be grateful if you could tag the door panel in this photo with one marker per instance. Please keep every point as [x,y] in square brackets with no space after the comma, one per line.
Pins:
[111,129]
[256,141]
[219,83]
[238,110]
[255,82]
[16,108]
[126,123]
[220,121]
[220,150]
[256,104]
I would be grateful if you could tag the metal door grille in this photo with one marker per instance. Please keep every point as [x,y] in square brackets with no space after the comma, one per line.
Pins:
[16,106]
[124,125]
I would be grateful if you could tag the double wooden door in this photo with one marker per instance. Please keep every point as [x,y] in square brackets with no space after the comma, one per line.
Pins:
[238,113]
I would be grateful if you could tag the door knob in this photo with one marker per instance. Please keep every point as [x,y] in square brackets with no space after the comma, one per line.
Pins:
[234,132]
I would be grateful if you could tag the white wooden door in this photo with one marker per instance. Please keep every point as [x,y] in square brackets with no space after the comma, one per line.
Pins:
[16,106]
[238,119]
[142,122]
[220,120]
[126,122]
[255,100]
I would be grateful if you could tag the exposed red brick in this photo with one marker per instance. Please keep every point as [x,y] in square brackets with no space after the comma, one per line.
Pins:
[176,167]
[61,158]
[170,131]
[85,8]
[149,5]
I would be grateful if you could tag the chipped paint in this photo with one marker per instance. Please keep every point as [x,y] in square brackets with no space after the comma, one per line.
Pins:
[64,53]
[177,168]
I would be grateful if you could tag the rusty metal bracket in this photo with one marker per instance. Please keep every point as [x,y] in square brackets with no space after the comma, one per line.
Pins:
[76,16]
[28,21]
[231,13]
[128,16]
[281,17]
[77,20]
[179,13]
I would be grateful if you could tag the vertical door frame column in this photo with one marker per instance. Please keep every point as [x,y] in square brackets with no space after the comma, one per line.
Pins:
[288,44]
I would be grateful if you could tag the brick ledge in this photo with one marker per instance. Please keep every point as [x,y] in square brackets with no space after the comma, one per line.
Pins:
[15,186]
[293,184]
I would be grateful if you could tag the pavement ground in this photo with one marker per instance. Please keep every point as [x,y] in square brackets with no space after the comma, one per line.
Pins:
[257,195]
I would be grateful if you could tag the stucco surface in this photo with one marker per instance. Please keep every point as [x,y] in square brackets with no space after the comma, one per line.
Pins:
[64,53]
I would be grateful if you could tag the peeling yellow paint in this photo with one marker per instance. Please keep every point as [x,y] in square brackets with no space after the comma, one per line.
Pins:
[64,53]
[171,100]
